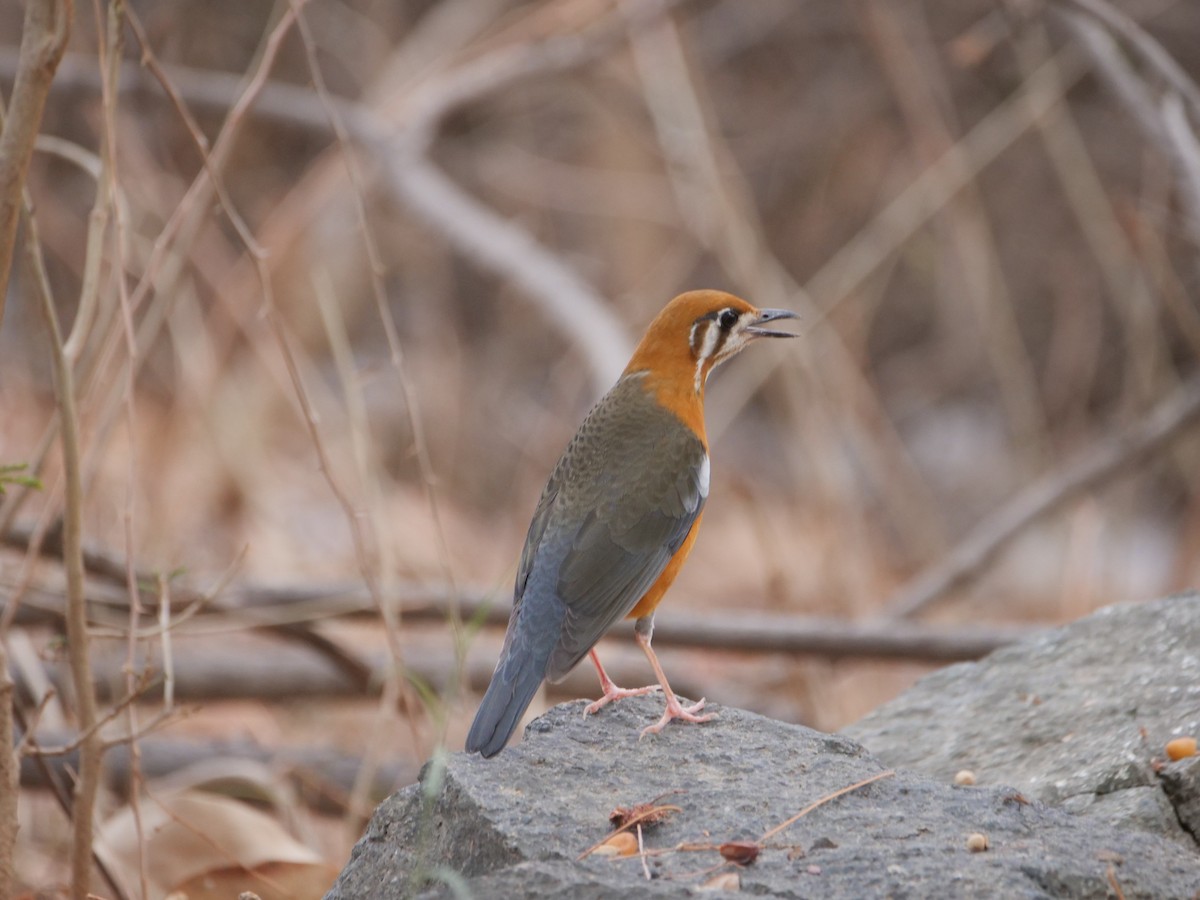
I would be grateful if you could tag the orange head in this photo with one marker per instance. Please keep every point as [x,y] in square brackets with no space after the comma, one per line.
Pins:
[695,333]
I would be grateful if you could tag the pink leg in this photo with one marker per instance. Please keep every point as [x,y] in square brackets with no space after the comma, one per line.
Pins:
[611,691]
[675,710]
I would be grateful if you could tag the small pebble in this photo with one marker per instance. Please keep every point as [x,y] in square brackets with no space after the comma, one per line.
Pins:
[1181,748]
[977,842]
[964,777]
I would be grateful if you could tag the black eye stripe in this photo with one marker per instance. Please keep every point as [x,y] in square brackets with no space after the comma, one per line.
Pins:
[726,317]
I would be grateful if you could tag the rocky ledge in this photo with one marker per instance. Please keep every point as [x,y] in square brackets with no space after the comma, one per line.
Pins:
[1064,734]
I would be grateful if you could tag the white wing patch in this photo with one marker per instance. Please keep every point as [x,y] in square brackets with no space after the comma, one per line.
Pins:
[703,477]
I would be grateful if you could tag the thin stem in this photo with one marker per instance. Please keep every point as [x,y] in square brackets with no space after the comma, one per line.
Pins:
[78,652]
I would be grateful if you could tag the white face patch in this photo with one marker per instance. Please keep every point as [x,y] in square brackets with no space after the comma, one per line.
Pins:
[712,334]
[702,476]
[737,338]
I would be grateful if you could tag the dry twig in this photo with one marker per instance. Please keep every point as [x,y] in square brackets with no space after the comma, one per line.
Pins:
[1100,463]
[91,751]
[43,40]
[1096,24]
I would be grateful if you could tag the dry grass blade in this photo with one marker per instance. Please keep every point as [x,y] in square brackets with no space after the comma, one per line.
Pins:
[10,772]
[1111,875]
[822,801]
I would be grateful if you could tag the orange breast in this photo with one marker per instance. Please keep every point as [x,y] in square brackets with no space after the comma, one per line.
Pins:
[653,597]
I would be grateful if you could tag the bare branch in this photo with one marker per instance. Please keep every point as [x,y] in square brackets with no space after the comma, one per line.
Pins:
[503,247]
[492,242]
[43,40]
[1150,50]
[1100,463]
[91,752]
[275,607]
[1164,123]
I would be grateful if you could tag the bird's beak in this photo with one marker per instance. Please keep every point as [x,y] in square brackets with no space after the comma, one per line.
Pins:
[771,315]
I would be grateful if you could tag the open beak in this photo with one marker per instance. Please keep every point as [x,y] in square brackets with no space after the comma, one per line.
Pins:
[771,315]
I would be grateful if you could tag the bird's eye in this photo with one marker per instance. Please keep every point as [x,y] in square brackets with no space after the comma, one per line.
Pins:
[727,319]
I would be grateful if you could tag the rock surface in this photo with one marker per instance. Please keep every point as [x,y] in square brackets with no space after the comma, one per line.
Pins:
[515,825]
[1078,717]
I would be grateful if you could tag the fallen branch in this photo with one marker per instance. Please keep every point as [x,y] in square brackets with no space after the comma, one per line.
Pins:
[284,609]
[220,668]
[322,774]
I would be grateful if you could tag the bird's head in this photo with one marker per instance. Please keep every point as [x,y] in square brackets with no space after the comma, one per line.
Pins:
[698,331]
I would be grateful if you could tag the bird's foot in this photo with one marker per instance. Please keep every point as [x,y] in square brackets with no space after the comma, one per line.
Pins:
[676,710]
[612,692]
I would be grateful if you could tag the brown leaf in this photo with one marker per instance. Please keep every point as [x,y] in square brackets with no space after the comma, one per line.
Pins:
[192,836]
[623,843]
[741,852]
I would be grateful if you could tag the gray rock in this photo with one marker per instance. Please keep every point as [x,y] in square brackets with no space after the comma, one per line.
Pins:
[1181,781]
[515,825]
[1078,716]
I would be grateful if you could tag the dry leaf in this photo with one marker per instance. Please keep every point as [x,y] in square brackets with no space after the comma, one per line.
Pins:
[722,881]
[741,852]
[621,844]
[206,845]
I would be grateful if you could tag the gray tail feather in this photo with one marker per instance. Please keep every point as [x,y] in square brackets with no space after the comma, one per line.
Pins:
[507,698]
[534,630]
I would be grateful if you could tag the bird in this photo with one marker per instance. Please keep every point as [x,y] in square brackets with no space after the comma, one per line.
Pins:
[619,515]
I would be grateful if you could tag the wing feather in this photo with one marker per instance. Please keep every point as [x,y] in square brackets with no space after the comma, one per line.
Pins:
[617,541]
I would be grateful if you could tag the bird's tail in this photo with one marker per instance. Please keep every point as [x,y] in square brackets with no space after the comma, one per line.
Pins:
[518,675]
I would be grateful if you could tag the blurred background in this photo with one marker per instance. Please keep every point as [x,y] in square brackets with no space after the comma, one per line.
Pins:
[319,396]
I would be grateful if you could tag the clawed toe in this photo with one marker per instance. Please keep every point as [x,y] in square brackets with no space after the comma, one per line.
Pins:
[675,710]
[616,693]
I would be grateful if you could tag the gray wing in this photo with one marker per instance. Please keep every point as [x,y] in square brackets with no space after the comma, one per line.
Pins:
[619,504]
[623,519]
